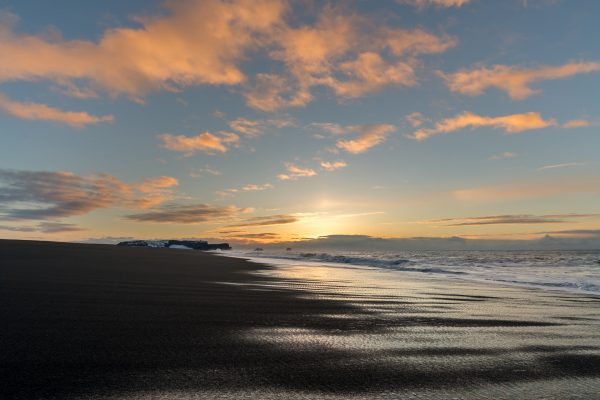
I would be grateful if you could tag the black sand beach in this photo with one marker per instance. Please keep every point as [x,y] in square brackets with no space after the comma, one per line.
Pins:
[97,321]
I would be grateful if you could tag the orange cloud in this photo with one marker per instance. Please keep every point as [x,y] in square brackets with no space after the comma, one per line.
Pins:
[513,123]
[295,172]
[351,54]
[250,238]
[149,192]
[197,42]
[156,191]
[515,81]
[370,136]
[271,92]
[332,166]
[368,73]
[205,142]
[281,219]
[247,188]
[417,41]
[577,123]
[255,128]
[205,41]
[523,190]
[38,111]
[151,184]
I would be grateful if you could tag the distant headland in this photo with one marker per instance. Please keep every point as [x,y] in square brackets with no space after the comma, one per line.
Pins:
[177,244]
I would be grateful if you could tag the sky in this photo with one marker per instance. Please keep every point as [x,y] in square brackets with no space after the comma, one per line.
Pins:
[263,121]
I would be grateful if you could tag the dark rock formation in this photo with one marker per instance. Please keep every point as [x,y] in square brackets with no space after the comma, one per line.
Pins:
[192,244]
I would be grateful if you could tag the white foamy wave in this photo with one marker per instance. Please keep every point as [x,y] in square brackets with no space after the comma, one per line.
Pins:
[566,270]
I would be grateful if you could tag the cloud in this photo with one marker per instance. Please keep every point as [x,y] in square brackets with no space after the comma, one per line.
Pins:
[369,73]
[535,189]
[187,214]
[330,127]
[195,42]
[415,119]
[370,136]
[515,81]
[281,219]
[255,128]
[18,228]
[436,3]
[295,172]
[246,188]
[369,243]
[152,184]
[159,190]
[513,123]
[506,154]
[40,195]
[563,165]
[247,127]
[513,219]
[58,227]
[205,142]
[581,233]
[332,166]
[270,92]
[579,123]
[254,188]
[38,111]
[44,227]
[207,170]
[351,54]
[205,42]
[417,41]
[263,237]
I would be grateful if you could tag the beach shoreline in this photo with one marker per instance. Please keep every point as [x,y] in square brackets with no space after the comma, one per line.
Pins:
[99,321]
[402,273]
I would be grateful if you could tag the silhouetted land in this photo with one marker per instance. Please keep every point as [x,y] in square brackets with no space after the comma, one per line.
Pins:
[98,321]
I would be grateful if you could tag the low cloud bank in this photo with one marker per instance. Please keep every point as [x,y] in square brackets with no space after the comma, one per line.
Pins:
[369,243]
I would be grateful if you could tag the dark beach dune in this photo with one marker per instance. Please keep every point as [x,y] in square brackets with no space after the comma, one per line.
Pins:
[98,321]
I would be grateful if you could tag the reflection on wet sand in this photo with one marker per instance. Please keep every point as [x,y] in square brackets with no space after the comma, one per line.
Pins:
[407,331]
[83,321]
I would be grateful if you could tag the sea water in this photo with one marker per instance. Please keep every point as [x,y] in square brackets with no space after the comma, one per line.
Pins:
[566,270]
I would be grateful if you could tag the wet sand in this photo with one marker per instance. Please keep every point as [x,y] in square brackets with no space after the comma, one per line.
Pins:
[96,321]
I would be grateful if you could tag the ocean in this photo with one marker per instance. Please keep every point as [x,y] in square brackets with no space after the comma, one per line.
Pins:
[577,271]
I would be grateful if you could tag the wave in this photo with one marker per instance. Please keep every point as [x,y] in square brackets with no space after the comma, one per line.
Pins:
[575,271]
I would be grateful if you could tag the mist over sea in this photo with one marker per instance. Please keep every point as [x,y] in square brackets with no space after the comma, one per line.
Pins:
[566,270]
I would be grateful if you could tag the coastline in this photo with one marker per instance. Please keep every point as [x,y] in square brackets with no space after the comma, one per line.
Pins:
[403,273]
[98,321]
